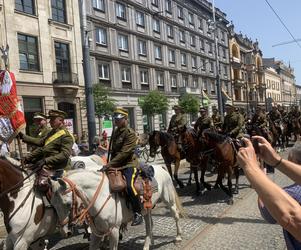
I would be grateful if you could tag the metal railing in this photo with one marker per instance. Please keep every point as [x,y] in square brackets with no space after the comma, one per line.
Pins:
[64,78]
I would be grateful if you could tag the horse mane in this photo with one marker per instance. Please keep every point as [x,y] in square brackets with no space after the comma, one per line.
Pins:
[192,131]
[166,136]
[215,136]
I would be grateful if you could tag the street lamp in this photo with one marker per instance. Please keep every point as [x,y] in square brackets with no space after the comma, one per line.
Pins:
[213,27]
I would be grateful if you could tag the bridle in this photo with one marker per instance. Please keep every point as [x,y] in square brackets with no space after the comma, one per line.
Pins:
[80,211]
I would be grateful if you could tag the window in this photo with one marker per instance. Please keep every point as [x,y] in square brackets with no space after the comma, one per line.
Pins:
[210,48]
[140,19]
[224,53]
[31,105]
[125,73]
[192,40]
[62,62]
[212,85]
[182,36]
[143,76]
[202,44]
[195,83]
[169,30]
[58,8]
[123,43]
[168,6]
[173,80]
[104,71]
[142,48]
[28,53]
[99,5]
[201,25]
[158,52]
[160,78]
[203,62]
[180,13]
[190,19]
[155,2]
[183,59]
[156,25]
[223,35]
[193,62]
[26,6]
[211,66]
[121,11]
[101,36]
[225,70]
[172,56]
[185,81]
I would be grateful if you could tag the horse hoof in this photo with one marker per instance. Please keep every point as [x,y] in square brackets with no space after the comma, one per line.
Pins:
[230,201]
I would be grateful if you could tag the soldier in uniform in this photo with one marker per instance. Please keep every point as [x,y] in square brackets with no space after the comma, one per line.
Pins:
[260,123]
[217,120]
[41,128]
[55,148]
[177,122]
[122,154]
[233,122]
[203,122]
[275,119]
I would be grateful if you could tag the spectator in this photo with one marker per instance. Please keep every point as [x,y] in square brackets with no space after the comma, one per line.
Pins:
[103,147]
[275,203]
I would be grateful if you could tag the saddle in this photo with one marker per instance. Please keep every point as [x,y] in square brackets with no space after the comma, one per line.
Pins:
[144,184]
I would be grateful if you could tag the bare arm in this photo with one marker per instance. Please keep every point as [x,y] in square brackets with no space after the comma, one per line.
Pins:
[269,155]
[284,209]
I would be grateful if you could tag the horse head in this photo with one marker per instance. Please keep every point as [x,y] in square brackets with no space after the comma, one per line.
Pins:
[154,142]
[62,201]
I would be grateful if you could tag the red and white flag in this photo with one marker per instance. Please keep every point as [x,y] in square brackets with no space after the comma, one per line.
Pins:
[12,118]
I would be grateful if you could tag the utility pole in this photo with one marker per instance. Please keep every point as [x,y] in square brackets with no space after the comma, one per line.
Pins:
[218,82]
[87,73]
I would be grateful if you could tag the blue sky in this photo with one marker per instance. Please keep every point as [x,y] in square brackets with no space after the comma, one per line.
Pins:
[256,20]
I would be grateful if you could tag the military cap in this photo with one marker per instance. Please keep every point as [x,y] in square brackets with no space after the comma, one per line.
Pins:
[202,109]
[176,107]
[229,104]
[120,113]
[39,115]
[57,113]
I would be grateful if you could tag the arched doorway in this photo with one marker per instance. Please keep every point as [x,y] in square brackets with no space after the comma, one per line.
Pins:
[70,109]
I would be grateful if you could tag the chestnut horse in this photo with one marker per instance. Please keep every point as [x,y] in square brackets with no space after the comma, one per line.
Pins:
[169,151]
[225,155]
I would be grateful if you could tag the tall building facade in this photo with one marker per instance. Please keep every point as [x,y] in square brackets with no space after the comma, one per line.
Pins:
[46,56]
[164,45]
[247,72]
[288,83]
[273,84]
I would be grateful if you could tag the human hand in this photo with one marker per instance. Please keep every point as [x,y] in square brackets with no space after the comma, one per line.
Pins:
[246,156]
[266,151]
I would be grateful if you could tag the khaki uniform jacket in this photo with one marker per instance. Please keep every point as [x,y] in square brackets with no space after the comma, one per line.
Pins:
[35,140]
[123,147]
[55,148]
[217,120]
[176,122]
[260,121]
[233,125]
[203,123]
[275,115]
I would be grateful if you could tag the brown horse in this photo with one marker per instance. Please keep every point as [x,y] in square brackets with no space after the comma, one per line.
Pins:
[197,155]
[225,155]
[169,151]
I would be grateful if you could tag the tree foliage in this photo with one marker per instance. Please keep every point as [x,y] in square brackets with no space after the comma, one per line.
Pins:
[189,103]
[103,103]
[154,103]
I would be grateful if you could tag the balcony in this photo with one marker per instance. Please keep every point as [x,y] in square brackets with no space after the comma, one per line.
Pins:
[189,90]
[68,82]
[250,67]
[236,63]
[238,83]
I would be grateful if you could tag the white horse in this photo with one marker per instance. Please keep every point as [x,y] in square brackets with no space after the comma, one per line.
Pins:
[109,211]
[25,217]
[91,162]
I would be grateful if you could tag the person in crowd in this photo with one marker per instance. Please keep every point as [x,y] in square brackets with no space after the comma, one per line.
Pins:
[75,148]
[276,204]
[103,146]
[123,155]
[217,120]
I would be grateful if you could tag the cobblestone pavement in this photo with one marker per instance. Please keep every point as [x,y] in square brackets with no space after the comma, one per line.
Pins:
[211,223]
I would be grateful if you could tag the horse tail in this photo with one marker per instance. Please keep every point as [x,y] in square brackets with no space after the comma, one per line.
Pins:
[179,205]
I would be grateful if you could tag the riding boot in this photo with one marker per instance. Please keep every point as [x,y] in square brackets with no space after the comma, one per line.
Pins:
[136,206]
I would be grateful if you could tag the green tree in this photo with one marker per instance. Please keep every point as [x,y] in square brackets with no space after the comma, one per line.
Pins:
[154,103]
[103,103]
[189,103]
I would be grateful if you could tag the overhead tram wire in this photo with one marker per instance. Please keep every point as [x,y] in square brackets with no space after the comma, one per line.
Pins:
[282,22]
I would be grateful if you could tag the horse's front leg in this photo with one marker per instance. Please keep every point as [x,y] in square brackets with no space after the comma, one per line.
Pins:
[230,201]
[204,163]
[169,169]
[236,172]
[177,165]
[190,177]
[95,242]
[194,168]
[149,231]
[114,238]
